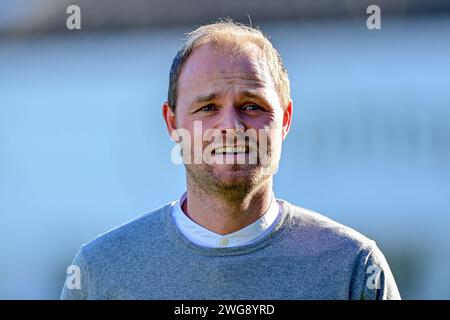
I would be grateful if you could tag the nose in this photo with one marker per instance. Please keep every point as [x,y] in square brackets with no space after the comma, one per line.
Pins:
[230,120]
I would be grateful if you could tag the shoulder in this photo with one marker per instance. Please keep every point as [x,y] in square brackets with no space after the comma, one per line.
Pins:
[320,233]
[136,233]
[333,248]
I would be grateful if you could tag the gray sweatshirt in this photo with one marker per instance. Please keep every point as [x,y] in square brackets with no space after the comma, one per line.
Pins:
[305,256]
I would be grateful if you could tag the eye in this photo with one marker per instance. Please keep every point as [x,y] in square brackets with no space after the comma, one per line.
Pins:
[208,108]
[251,107]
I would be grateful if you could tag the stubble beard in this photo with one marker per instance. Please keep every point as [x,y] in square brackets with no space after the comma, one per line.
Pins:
[236,182]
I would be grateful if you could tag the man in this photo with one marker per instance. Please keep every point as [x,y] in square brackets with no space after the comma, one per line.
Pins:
[228,237]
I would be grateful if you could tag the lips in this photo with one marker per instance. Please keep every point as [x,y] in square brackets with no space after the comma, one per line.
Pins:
[231,150]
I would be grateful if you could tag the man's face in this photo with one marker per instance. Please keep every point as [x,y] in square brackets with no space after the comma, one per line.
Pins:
[230,94]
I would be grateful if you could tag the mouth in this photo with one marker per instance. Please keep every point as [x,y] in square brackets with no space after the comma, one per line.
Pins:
[231,150]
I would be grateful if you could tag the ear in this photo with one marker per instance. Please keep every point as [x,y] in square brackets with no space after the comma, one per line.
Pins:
[287,118]
[170,119]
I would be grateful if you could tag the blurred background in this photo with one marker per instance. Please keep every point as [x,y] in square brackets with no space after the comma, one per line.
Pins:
[83,147]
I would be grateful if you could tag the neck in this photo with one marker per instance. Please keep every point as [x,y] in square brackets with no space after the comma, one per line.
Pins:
[223,214]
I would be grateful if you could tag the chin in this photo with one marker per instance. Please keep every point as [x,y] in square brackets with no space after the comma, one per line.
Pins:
[240,178]
[233,178]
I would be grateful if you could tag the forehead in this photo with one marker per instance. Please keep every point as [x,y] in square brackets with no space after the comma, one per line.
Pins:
[209,66]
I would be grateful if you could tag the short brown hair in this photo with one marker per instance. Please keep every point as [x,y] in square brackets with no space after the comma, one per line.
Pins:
[227,33]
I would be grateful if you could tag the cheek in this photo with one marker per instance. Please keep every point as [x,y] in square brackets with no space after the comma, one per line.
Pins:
[272,127]
[275,137]
[270,139]
[261,122]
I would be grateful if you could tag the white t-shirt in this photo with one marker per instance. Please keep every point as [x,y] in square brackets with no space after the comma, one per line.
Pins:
[206,238]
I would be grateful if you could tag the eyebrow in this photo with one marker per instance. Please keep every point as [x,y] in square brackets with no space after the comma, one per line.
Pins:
[206,98]
[214,95]
[254,95]
[251,94]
